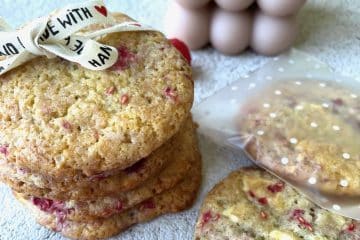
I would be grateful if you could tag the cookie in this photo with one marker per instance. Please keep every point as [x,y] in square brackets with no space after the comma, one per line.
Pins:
[65,120]
[251,204]
[24,180]
[180,148]
[106,207]
[174,200]
[306,132]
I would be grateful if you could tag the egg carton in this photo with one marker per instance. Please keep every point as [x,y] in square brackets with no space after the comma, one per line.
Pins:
[267,26]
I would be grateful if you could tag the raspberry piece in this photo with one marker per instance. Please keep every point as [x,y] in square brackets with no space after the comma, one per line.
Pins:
[54,207]
[65,124]
[124,99]
[252,194]
[60,215]
[43,204]
[119,206]
[351,227]
[124,60]
[171,94]
[57,205]
[263,215]
[4,149]
[49,206]
[298,215]
[305,223]
[207,217]
[149,204]
[277,187]
[182,48]
[110,90]
[338,101]
[60,220]
[263,201]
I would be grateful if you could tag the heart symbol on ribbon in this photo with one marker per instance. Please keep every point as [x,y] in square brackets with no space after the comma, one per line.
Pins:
[102,10]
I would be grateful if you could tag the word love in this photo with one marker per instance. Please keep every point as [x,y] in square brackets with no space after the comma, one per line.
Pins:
[73,16]
[57,35]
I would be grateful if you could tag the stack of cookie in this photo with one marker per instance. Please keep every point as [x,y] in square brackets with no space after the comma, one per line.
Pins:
[94,152]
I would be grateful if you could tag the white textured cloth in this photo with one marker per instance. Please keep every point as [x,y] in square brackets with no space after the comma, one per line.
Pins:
[329,30]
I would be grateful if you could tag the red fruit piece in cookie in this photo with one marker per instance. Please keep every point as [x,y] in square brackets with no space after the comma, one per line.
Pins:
[263,201]
[182,48]
[298,215]
[111,90]
[65,124]
[351,227]
[263,215]
[43,204]
[149,204]
[277,187]
[252,194]
[207,217]
[60,219]
[171,94]
[124,99]
[119,206]
[4,149]
[125,58]
[51,206]
[338,101]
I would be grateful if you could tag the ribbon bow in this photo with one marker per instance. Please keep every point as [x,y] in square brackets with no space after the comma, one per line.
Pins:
[56,35]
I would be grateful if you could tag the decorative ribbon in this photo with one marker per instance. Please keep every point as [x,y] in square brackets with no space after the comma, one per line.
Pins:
[56,35]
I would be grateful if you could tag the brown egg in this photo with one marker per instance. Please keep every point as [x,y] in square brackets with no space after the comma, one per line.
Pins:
[280,7]
[234,5]
[272,35]
[189,25]
[193,3]
[230,32]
